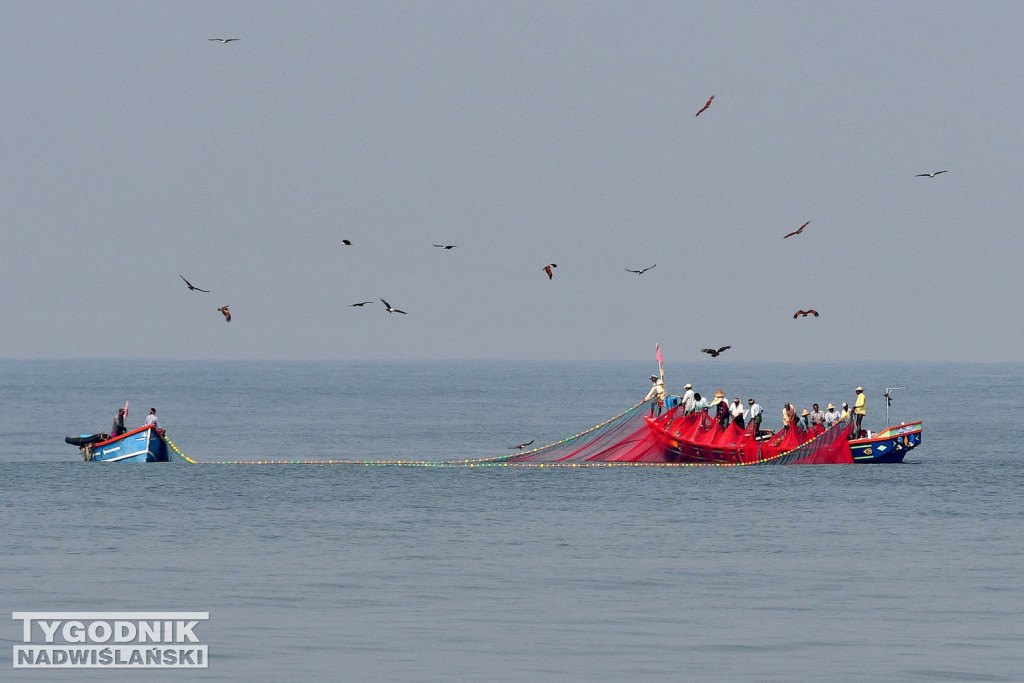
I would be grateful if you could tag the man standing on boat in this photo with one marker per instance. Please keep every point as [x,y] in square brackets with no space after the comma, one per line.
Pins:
[755,415]
[688,400]
[817,417]
[860,409]
[657,390]
[831,416]
[154,422]
[118,428]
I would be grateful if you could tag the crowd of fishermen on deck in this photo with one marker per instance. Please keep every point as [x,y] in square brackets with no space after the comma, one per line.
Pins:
[736,413]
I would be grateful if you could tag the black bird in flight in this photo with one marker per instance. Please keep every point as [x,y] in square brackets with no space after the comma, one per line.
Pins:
[192,287]
[930,175]
[347,243]
[521,446]
[361,303]
[714,352]
[547,269]
[798,230]
[705,107]
[445,246]
[641,271]
[227,313]
[224,40]
[809,311]
[391,309]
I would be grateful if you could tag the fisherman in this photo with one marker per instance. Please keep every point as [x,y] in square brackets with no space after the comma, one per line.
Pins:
[118,428]
[657,390]
[817,417]
[860,409]
[722,411]
[832,416]
[152,421]
[688,399]
[788,415]
[805,421]
[737,411]
[755,415]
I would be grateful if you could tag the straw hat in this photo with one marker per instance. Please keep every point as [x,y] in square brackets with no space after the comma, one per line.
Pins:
[831,407]
[805,412]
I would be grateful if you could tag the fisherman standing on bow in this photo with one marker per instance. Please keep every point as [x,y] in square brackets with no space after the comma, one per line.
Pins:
[657,390]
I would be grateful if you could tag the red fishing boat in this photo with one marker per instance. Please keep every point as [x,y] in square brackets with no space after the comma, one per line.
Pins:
[675,438]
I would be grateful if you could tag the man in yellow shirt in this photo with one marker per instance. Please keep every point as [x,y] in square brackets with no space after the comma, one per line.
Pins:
[860,409]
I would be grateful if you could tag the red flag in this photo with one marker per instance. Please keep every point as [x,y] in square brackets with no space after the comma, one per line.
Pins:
[657,353]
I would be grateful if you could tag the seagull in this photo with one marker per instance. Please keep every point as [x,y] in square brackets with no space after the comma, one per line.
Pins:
[798,230]
[445,246]
[641,271]
[227,313]
[714,352]
[930,175]
[192,287]
[346,243]
[523,445]
[361,303]
[224,40]
[705,107]
[391,309]
[809,311]
[547,269]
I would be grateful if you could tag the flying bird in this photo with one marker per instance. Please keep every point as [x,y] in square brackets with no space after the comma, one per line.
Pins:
[705,107]
[347,243]
[191,287]
[714,352]
[224,40]
[521,446]
[227,313]
[547,269]
[391,309]
[809,311]
[445,246]
[798,230]
[641,271]
[361,303]
[930,175]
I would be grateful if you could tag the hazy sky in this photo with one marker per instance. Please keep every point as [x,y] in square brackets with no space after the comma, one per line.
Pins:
[135,150]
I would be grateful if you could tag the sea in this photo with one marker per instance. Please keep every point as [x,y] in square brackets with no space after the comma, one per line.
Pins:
[369,571]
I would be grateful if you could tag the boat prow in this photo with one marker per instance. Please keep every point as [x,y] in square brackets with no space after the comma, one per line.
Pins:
[888,446]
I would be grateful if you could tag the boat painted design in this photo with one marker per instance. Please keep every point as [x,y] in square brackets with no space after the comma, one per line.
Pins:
[139,445]
[887,446]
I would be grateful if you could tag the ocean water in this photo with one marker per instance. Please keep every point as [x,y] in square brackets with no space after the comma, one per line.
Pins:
[909,572]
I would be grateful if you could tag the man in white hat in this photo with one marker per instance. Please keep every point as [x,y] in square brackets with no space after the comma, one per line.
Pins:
[860,409]
[831,416]
[688,400]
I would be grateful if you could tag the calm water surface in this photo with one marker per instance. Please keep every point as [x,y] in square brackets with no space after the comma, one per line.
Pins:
[851,573]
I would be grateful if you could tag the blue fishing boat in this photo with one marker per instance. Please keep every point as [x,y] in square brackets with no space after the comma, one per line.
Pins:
[889,445]
[144,444]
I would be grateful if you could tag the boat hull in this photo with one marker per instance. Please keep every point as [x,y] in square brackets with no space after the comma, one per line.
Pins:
[888,446]
[140,445]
